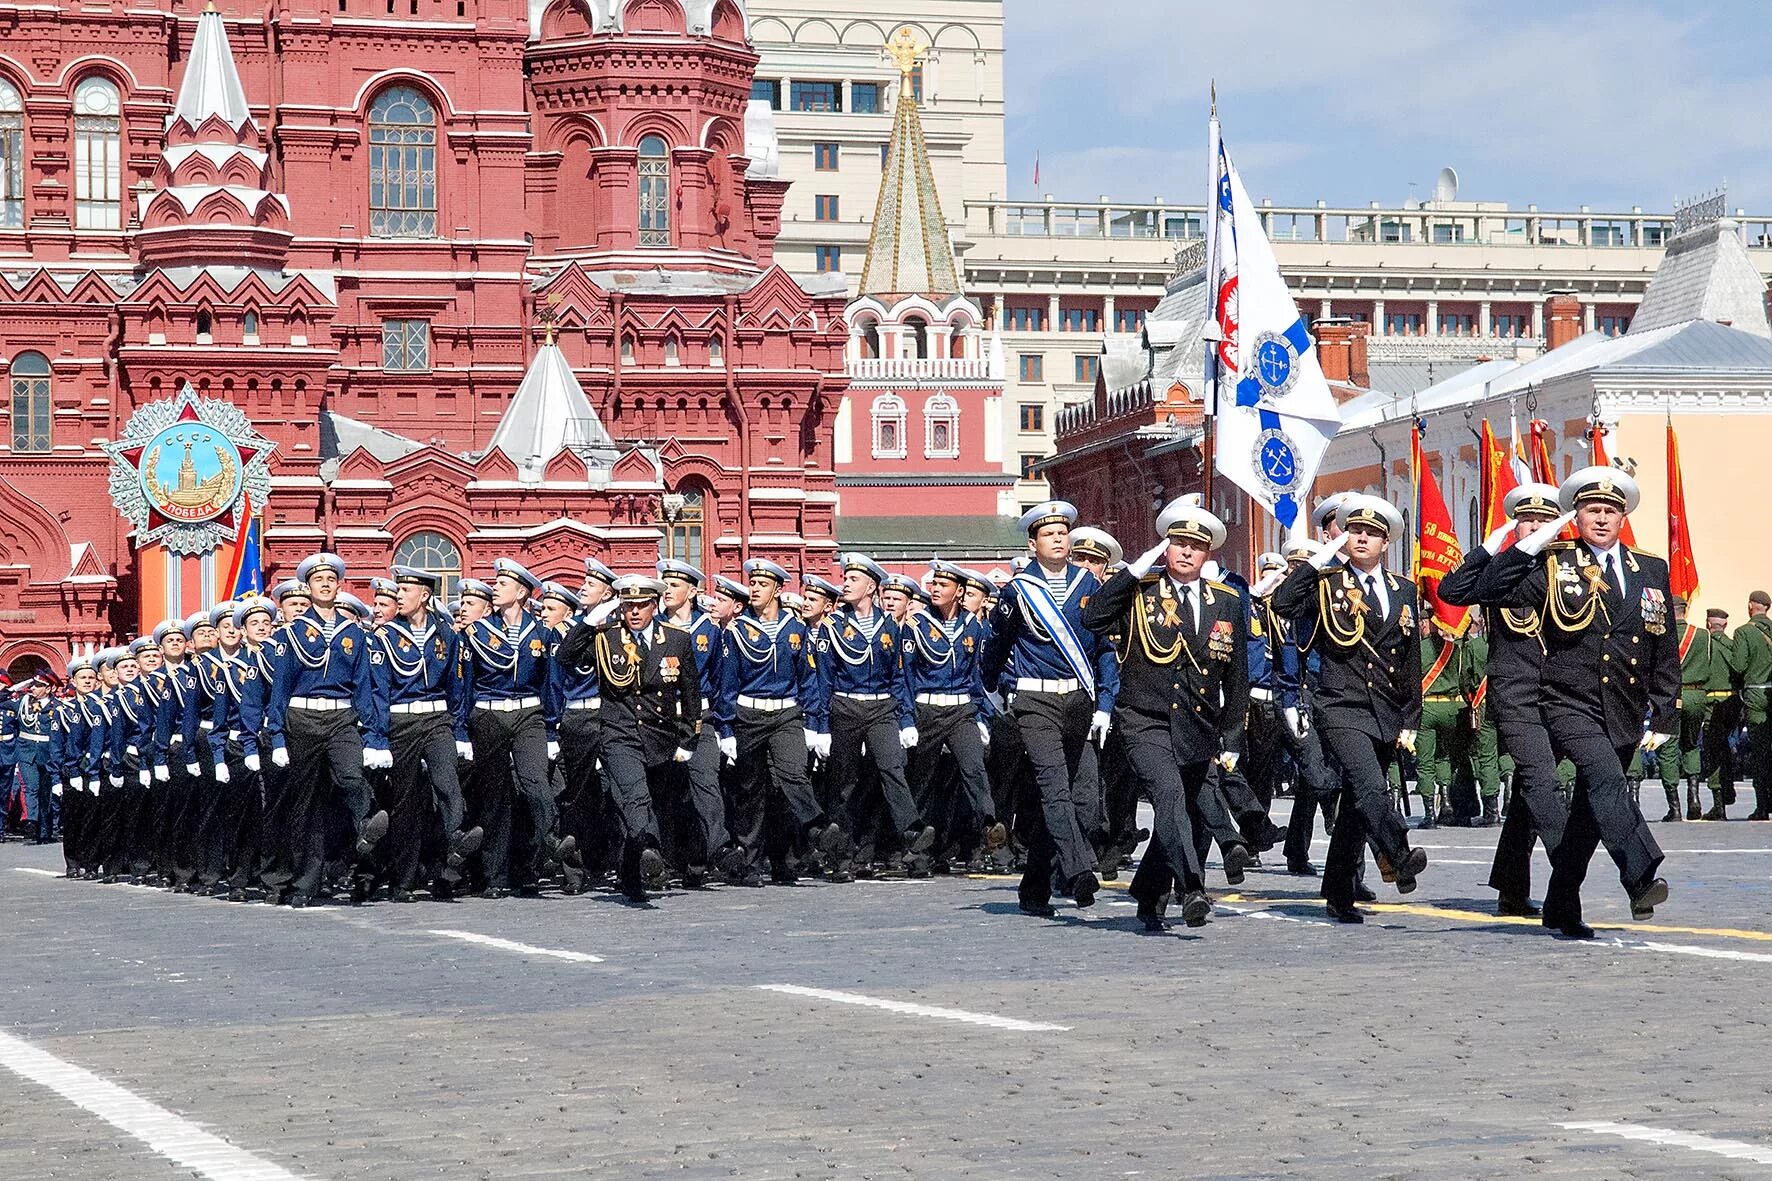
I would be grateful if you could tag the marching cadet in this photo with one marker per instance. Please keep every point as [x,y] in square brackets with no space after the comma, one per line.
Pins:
[870,706]
[575,690]
[132,760]
[383,600]
[322,689]
[475,601]
[293,598]
[769,712]
[36,715]
[415,662]
[80,757]
[943,655]
[1716,764]
[683,610]
[821,598]
[897,593]
[1611,660]
[1108,811]
[1679,757]
[513,724]
[1515,664]
[250,673]
[597,588]
[1440,745]
[209,820]
[1182,642]
[975,597]
[650,724]
[1065,680]
[1360,620]
[1096,551]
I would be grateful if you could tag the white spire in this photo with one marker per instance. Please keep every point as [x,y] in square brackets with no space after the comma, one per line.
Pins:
[211,84]
[549,413]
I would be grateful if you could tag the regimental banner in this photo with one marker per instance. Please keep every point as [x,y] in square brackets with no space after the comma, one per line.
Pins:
[1437,552]
[186,470]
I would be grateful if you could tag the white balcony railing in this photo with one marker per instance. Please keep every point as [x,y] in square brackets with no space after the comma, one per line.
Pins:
[922,369]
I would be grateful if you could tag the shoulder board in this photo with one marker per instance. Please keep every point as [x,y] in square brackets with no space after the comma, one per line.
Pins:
[1643,553]
[1225,588]
[675,627]
[1561,546]
[1147,579]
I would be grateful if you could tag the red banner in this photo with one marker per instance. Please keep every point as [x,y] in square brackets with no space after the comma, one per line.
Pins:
[1538,454]
[1498,481]
[1600,460]
[1682,566]
[1437,552]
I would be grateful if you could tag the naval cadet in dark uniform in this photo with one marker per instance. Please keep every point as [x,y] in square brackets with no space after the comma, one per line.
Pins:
[682,609]
[1360,619]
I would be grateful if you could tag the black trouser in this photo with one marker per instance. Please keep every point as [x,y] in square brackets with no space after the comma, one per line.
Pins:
[1364,813]
[1536,810]
[251,837]
[874,723]
[1603,809]
[705,793]
[325,763]
[583,804]
[1759,753]
[772,765]
[1313,790]
[1009,769]
[953,728]
[1054,729]
[628,781]
[1172,859]
[115,811]
[74,812]
[423,790]
[1236,813]
[511,768]
[214,812]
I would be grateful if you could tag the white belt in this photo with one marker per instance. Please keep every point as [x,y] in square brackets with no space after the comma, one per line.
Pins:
[1036,685]
[419,707]
[1256,694]
[586,703]
[321,705]
[865,696]
[35,737]
[707,707]
[943,699]
[132,751]
[509,704]
[205,725]
[767,704]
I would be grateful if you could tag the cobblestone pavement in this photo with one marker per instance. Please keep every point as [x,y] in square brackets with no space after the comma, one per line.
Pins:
[386,1042]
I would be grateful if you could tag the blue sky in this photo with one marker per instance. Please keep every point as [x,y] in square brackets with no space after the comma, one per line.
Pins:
[1558,102]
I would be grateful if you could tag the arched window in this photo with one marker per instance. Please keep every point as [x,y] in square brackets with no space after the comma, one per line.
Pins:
[682,518]
[12,157]
[30,402]
[98,156]
[249,327]
[402,165]
[435,553]
[655,193]
[716,353]
[941,428]
[870,338]
[889,427]
[916,340]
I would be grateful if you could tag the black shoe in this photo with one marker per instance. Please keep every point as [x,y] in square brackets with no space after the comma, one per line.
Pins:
[731,861]
[1569,928]
[1490,817]
[1428,821]
[1236,862]
[565,847]
[1519,908]
[833,843]
[493,893]
[401,896]
[1644,901]
[920,840]
[751,879]
[463,845]
[299,901]
[694,877]
[1301,869]
[1759,814]
[1083,890]
[996,835]
[1345,914]
[1673,814]
[1150,914]
[1363,893]
[362,889]
[373,830]
[1716,812]
[655,872]
[1196,908]
[1043,910]
[1413,863]
[237,894]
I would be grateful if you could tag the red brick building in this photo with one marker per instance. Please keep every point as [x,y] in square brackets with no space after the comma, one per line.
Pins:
[360,221]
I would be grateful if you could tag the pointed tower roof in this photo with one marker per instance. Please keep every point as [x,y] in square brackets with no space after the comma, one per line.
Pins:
[549,414]
[909,252]
[1706,274]
[211,84]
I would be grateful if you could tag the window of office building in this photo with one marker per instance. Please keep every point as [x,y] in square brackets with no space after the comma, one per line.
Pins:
[1032,367]
[864,98]
[815,96]
[824,207]
[828,258]
[1033,416]
[824,157]
[769,90]
[1088,365]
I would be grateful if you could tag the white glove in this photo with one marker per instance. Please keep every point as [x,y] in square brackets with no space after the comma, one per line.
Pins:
[1538,541]
[1227,760]
[1498,539]
[984,733]
[907,737]
[162,773]
[1653,741]
[78,783]
[115,780]
[144,777]
[1406,740]
[1099,725]
[377,759]
[811,741]
[193,770]
[55,789]
[728,749]
[252,762]
[600,614]
[1297,721]
[279,757]
[132,751]
[553,750]
[92,786]
[1148,560]
[177,741]
[823,749]
[464,751]
[1323,558]
[221,772]
[683,755]
[1270,582]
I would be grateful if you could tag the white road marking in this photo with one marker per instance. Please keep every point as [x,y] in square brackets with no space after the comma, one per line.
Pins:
[577,957]
[914,1010]
[42,873]
[176,1139]
[1712,953]
[1736,1149]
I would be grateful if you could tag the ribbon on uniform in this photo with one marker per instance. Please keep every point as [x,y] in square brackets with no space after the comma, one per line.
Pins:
[1037,597]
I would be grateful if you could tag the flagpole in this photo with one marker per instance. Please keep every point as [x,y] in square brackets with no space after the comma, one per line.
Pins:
[1208,442]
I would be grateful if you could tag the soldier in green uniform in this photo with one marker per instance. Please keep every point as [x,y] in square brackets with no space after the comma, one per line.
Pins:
[1679,755]
[1485,749]
[1439,745]
[1750,657]
[1716,763]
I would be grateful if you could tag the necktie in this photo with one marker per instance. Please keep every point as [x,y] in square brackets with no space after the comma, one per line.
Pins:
[1615,573]
[1372,598]
[1189,622]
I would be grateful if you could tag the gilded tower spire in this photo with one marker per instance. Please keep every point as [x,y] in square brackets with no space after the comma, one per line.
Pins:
[909,252]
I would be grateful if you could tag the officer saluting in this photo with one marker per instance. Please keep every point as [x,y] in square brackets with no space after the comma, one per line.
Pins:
[1182,640]
[1361,620]
[1611,660]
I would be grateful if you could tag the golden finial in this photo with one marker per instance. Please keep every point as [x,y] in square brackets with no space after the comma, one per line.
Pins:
[551,313]
[906,50]
[1215,98]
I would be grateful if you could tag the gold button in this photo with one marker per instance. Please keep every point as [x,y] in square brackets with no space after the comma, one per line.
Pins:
[1633,661]
[1174,705]
[1636,639]
[1605,680]
[1605,656]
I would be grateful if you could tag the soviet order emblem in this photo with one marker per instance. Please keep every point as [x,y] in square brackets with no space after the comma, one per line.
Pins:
[187,471]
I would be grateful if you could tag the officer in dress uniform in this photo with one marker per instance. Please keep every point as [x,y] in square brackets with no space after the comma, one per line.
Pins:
[8,752]
[1065,683]
[682,609]
[1360,619]
[322,690]
[513,722]
[1182,643]
[1750,657]
[587,821]
[769,712]
[36,710]
[415,661]
[1611,660]
[871,706]
[1516,659]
